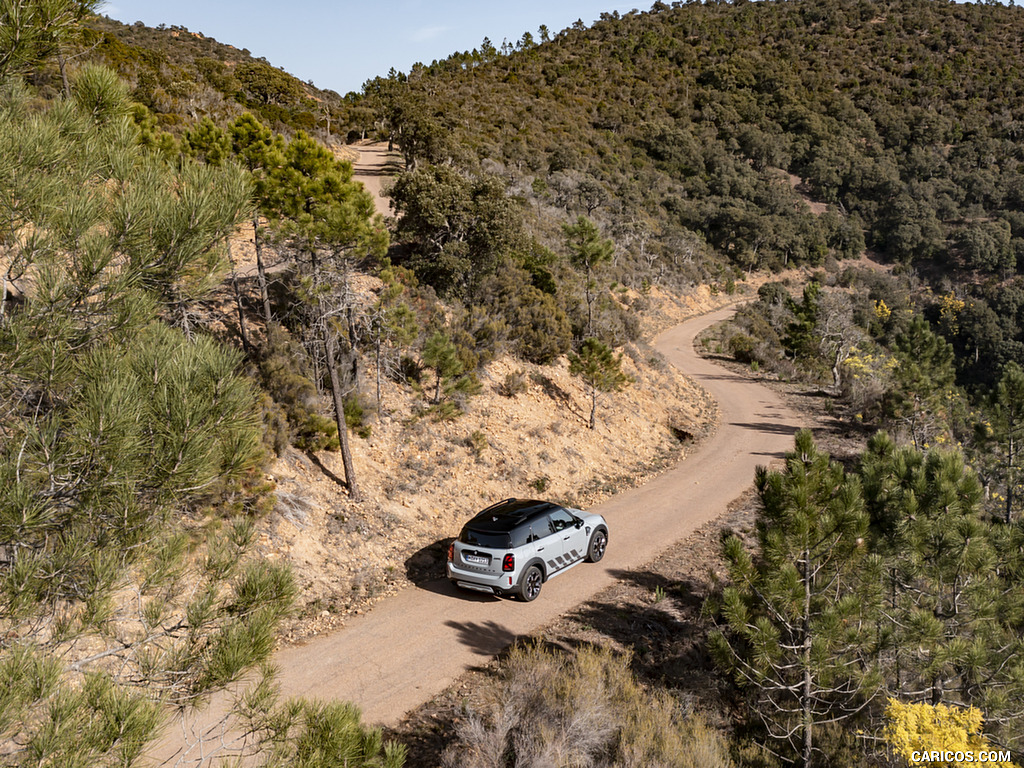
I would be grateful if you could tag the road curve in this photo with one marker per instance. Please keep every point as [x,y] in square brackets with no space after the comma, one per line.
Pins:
[411,646]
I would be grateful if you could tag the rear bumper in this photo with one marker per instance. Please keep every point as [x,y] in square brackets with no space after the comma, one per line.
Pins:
[493,583]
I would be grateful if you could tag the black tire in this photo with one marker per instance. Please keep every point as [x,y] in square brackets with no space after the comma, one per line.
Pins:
[598,545]
[530,584]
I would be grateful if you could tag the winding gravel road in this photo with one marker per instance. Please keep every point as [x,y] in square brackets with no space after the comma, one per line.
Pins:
[410,647]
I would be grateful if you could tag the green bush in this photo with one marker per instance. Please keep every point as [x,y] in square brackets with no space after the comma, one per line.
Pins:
[741,347]
[538,329]
[282,367]
[477,442]
[355,416]
[513,384]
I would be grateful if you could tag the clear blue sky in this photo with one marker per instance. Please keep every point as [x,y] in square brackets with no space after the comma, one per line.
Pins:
[342,44]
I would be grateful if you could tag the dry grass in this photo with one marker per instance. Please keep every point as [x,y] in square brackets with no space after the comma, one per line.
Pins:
[584,709]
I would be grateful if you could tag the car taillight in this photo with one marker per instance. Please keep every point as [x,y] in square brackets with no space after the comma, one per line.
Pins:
[451,551]
[508,563]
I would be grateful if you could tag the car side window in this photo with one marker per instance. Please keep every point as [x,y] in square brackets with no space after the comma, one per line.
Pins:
[530,532]
[542,527]
[561,520]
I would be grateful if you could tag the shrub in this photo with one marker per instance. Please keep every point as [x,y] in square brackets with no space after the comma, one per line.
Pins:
[476,441]
[538,329]
[741,347]
[513,384]
[409,370]
[355,416]
[553,708]
[282,367]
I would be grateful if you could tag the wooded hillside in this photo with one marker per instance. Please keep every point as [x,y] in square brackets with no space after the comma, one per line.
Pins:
[765,133]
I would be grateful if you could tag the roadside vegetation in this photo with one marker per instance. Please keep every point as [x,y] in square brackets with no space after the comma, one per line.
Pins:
[131,440]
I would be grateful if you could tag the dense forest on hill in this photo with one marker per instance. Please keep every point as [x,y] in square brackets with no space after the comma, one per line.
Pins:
[765,133]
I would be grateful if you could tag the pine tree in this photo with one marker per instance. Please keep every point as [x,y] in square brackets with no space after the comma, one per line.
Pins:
[796,619]
[441,354]
[331,218]
[600,370]
[1005,432]
[33,30]
[587,250]
[261,152]
[115,425]
[924,395]
[952,607]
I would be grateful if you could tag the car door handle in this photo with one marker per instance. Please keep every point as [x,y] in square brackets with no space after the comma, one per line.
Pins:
[540,549]
[567,538]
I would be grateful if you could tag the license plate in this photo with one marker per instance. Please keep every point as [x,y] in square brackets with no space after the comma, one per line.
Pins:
[477,560]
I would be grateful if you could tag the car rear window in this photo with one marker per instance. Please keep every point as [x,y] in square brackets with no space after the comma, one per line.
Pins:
[484,539]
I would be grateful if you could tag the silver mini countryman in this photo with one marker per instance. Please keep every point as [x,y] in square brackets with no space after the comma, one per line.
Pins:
[514,546]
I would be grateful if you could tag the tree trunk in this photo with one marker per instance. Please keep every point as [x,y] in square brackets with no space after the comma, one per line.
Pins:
[261,274]
[590,306]
[339,416]
[837,376]
[62,65]
[238,304]
[3,297]
[896,650]
[1010,479]
[808,715]
[593,407]
[376,362]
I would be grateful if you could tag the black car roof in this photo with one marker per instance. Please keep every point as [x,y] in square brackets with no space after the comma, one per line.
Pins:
[506,515]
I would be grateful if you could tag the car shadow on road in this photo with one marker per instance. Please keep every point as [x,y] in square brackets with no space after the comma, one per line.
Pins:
[427,563]
[486,638]
[425,569]
[446,588]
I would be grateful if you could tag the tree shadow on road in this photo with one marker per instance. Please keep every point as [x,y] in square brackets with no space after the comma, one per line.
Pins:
[766,426]
[486,638]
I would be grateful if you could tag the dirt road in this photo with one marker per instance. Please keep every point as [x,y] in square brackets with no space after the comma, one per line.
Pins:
[411,647]
[375,168]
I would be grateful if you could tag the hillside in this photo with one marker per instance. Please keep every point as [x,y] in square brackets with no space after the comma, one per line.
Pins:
[182,76]
[677,129]
[423,477]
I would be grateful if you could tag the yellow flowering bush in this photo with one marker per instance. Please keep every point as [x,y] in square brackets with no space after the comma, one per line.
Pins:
[950,308]
[912,729]
[882,311]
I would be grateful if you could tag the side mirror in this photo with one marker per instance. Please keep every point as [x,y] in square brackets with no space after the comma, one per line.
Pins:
[579,523]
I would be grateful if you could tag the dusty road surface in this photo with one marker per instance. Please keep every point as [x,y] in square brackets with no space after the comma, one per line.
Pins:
[410,647]
[375,168]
